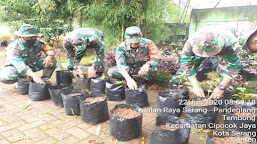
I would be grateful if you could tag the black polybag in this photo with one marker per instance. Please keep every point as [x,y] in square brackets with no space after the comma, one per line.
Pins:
[64,77]
[200,115]
[23,86]
[137,97]
[125,129]
[38,91]
[201,73]
[97,86]
[82,83]
[55,93]
[171,99]
[72,103]
[174,136]
[114,92]
[93,112]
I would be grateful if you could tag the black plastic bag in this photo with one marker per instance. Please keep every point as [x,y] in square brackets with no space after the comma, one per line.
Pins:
[175,136]
[97,86]
[200,114]
[64,77]
[224,134]
[201,73]
[55,93]
[23,86]
[137,97]
[93,112]
[171,99]
[125,129]
[82,83]
[225,96]
[72,103]
[114,92]
[38,91]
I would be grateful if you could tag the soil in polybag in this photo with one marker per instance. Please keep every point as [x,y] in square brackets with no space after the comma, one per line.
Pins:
[23,85]
[136,97]
[55,93]
[114,92]
[82,83]
[125,122]
[226,137]
[165,131]
[97,86]
[94,109]
[71,100]
[38,91]
[200,110]
[64,77]
[170,102]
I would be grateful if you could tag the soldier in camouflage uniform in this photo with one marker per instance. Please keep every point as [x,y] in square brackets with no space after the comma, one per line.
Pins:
[75,45]
[248,39]
[135,56]
[210,40]
[24,57]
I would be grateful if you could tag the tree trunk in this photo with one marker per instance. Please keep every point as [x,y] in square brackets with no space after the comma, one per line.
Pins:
[77,20]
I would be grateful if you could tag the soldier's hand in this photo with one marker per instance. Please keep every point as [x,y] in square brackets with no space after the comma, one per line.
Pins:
[131,84]
[80,73]
[216,93]
[198,91]
[91,72]
[144,69]
[48,61]
[37,79]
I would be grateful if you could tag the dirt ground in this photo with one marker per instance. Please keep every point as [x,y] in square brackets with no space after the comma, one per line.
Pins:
[42,122]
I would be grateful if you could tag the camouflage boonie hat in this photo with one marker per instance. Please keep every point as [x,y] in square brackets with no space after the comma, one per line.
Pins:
[27,30]
[133,34]
[207,44]
[244,35]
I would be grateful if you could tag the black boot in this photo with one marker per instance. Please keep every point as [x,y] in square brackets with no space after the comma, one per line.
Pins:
[142,83]
[47,73]
[173,85]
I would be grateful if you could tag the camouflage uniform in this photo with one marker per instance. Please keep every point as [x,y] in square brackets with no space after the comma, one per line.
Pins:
[21,57]
[132,59]
[210,40]
[75,45]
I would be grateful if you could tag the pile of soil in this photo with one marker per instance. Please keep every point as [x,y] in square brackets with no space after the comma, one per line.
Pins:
[164,127]
[94,99]
[246,114]
[75,94]
[228,140]
[200,103]
[126,112]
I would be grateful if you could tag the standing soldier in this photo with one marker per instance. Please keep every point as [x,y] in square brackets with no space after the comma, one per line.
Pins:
[135,56]
[211,40]
[75,45]
[24,57]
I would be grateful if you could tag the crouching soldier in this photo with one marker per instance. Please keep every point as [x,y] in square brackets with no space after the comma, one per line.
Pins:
[75,45]
[135,56]
[24,57]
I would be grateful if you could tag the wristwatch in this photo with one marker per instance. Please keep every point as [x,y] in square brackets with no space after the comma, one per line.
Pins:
[220,86]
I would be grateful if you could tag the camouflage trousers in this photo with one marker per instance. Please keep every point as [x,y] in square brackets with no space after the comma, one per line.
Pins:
[221,69]
[9,73]
[114,72]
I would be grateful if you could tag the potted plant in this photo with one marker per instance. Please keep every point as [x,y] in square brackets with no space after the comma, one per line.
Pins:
[115,90]
[137,97]
[125,122]
[83,83]
[166,131]
[94,109]
[38,91]
[71,100]
[63,76]
[55,93]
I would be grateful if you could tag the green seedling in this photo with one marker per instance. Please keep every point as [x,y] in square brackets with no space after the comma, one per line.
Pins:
[118,82]
[102,77]
[62,68]
[214,80]
[180,77]
[85,74]
[202,140]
